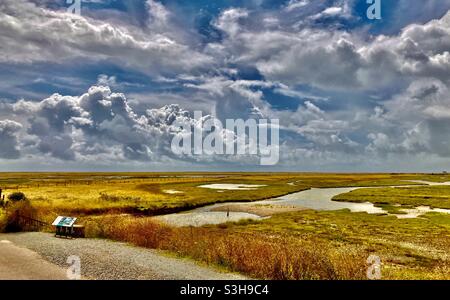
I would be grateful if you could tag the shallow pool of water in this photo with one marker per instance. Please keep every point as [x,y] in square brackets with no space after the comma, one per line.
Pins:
[172,192]
[412,213]
[230,186]
[320,199]
[429,182]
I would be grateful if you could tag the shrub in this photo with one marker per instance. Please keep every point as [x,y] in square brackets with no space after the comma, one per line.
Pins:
[15,214]
[17,196]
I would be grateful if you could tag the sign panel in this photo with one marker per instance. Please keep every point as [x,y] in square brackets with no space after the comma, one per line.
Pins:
[64,221]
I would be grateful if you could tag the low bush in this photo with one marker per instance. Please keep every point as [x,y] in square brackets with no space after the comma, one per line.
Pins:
[17,196]
[15,216]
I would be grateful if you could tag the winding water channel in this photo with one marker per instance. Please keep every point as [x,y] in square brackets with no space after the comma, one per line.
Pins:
[315,198]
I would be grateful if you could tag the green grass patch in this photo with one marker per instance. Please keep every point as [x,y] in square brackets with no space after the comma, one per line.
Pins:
[434,196]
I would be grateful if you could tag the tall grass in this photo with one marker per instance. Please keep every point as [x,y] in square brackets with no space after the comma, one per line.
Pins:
[279,258]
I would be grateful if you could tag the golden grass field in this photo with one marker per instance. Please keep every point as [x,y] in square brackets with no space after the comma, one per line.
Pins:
[289,245]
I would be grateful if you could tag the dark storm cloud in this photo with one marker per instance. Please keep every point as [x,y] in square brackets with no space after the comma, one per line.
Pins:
[9,146]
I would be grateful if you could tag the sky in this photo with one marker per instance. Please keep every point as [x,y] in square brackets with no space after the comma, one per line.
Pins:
[101,91]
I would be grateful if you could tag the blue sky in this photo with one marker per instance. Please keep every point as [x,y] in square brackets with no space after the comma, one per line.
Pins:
[352,94]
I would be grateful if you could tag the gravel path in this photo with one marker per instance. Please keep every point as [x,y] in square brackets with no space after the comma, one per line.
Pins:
[104,259]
